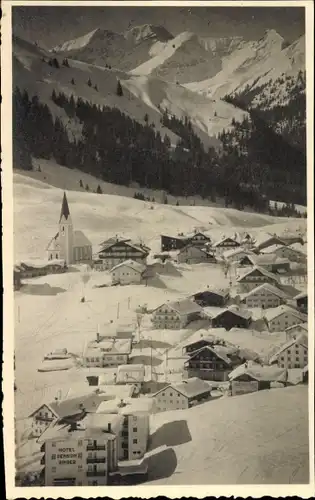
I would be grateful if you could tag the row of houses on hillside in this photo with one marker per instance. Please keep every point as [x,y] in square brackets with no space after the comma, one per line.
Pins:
[35,268]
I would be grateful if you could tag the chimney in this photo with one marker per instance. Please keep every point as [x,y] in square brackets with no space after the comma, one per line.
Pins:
[97,337]
[109,427]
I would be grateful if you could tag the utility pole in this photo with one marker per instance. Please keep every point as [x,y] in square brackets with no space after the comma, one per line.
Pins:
[129,302]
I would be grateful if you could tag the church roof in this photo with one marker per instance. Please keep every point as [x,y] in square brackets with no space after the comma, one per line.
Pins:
[80,240]
[65,212]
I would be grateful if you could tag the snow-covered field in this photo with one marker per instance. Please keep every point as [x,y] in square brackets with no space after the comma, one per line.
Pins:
[49,316]
[259,438]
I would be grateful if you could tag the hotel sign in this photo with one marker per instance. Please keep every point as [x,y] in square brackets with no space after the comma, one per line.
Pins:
[67,456]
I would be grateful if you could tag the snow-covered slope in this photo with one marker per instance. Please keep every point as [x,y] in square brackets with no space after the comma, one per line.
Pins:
[208,115]
[183,59]
[259,438]
[254,64]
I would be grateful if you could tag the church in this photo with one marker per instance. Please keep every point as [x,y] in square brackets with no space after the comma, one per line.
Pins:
[71,246]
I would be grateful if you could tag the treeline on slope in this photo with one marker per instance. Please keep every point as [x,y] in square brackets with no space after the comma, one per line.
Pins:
[258,156]
[281,103]
[118,149]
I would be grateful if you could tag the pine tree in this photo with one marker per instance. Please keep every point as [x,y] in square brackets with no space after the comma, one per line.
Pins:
[146,118]
[177,203]
[89,82]
[87,187]
[99,190]
[119,90]
[95,87]
[81,183]
[72,81]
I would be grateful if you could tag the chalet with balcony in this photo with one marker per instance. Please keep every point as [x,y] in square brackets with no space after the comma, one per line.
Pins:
[178,242]
[212,362]
[236,254]
[118,250]
[255,277]
[224,244]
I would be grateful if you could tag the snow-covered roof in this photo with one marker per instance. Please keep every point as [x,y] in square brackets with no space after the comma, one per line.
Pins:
[135,266]
[112,241]
[236,251]
[242,313]
[273,248]
[263,238]
[130,373]
[222,292]
[269,288]
[220,351]
[262,271]
[126,406]
[261,373]
[39,263]
[267,259]
[272,313]
[191,245]
[190,388]
[304,326]
[72,405]
[301,295]
[184,306]
[301,339]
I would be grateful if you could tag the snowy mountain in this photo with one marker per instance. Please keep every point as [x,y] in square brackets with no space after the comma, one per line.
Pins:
[120,50]
[253,64]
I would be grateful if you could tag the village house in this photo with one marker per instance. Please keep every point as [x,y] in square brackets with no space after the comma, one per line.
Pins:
[17,283]
[286,252]
[182,395]
[267,240]
[216,297]
[116,250]
[212,362]
[232,317]
[37,267]
[69,245]
[236,254]
[255,277]
[224,244]
[175,315]
[270,262]
[281,317]
[292,354]
[128,272]
[106,352]
[192,254]
[131,374]
[252,377]
[302,301]
[134,433]
[295,330]
[178,242]
[49,413]
[265,296]
[77,453]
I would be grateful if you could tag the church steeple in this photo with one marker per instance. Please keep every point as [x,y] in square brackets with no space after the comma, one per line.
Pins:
[65,212]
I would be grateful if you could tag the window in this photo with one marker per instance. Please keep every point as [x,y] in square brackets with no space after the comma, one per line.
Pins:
[53,469]
[53,445]
[135,429]
[80,454]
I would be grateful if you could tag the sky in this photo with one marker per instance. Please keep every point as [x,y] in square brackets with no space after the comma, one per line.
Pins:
[51,25]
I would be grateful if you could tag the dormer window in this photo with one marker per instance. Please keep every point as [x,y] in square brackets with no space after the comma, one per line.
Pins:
[63,229]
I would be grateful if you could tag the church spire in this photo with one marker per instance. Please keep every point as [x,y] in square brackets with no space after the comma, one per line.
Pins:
[65,212]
